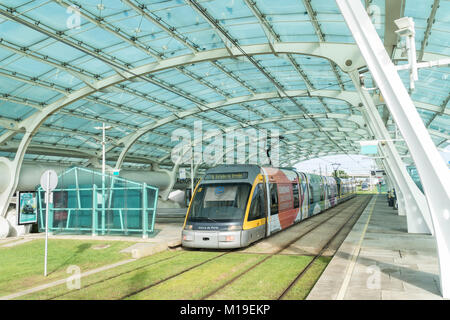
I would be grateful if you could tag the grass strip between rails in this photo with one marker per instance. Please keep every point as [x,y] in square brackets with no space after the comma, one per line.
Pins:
[58,292]
[266,281]
[125,284]
[22,266]
[304,285]
[196,283]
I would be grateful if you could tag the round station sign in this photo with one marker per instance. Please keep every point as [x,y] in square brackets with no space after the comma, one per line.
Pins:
[49,180]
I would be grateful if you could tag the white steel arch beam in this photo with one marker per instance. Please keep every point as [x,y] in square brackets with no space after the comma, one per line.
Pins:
[226,36]
[316,153]
[433,172]
[416,207]
[290,160]
[172,174]
[128,141]
[318,48]
[359,120]
[420,105]
[309,146]
[337,52]
[348,96]
[358,131]
[345,55]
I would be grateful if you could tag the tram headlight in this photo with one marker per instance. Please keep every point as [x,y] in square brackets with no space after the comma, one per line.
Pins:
[234,228]
[229,238]
[188,227]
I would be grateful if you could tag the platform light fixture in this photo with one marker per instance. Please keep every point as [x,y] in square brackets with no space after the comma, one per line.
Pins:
[406,29]
[335,166]
[405,26]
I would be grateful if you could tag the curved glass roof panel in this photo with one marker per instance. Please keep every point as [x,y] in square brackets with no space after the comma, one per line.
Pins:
[209,62]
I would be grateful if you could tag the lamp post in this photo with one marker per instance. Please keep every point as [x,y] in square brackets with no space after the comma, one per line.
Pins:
[335,167]
[103,128]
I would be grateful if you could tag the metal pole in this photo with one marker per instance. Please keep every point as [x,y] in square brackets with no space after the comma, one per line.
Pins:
[144,211]
[103,176]
[47,198]
[103,149]
[192,173]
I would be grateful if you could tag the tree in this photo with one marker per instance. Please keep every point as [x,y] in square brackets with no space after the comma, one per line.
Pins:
[340,174]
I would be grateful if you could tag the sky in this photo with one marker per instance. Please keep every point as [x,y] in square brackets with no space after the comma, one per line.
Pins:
[352,164]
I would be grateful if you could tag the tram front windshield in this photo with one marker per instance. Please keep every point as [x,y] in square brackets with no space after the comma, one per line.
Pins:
[219,203]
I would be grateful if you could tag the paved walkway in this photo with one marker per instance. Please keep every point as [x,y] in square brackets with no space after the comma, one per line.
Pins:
[380,260]
[168,230]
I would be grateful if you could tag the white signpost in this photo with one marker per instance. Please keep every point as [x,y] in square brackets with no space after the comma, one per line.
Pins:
[49,181]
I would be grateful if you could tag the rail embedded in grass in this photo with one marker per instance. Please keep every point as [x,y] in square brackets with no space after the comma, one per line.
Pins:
[22,266]
[279,250]
[359,210]
[202,272]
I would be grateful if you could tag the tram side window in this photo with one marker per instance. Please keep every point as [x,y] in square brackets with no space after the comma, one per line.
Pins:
[273,199]
[257,206]
[311,194]
[296,196]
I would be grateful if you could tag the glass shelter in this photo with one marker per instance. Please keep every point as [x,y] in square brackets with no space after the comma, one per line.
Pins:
[85,201]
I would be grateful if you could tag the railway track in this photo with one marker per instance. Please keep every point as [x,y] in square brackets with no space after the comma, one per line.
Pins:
[120,274]
[322,250]
[362,205]
[341,209]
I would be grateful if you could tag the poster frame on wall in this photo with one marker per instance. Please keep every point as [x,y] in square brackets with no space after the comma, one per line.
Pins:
[19,211]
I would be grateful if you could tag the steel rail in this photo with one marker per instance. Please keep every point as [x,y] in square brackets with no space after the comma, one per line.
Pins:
[325,247]
[118,275]
[278,251]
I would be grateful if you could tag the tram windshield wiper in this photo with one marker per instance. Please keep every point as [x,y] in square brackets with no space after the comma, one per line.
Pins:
[211,219]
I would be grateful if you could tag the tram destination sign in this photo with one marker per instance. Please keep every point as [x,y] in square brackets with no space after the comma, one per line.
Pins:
[226,176]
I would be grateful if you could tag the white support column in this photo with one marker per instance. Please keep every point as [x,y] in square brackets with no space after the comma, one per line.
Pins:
[433,172]
[409,197]
[9,171]
[388,178]
[173,179]
[382,165]
[400,198]
[387,164]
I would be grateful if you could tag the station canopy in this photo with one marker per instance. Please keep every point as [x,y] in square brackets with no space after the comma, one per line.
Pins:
[147,68]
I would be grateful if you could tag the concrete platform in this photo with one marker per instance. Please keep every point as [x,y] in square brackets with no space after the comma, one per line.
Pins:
[379,260]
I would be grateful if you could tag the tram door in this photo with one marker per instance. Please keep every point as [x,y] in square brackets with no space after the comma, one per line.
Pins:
[304,196]
[258,210]
[338,184]
[187,197]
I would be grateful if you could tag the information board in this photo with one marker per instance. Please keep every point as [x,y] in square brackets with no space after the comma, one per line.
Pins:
[27,207]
